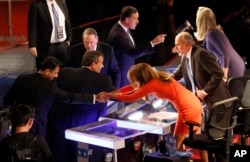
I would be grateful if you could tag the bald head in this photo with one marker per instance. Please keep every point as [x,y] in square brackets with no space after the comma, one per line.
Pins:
[185,37]
[183,42]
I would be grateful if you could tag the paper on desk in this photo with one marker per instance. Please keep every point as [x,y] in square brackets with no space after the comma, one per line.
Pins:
[163,115]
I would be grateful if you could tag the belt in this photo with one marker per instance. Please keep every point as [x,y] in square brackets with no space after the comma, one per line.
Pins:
[56,44]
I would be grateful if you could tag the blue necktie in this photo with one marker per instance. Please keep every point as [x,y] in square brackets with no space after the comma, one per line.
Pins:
[56,20]
[190,76]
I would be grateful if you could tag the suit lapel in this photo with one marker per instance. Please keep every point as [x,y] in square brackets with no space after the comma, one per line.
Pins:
[46,11]
[194,50]
[99,47]
[59,3]
[126,36]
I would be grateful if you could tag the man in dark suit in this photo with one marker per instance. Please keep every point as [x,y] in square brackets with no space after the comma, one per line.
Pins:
[49,32]
[90,42]
[123,43]
[206,73]
[85,79]
[40,90]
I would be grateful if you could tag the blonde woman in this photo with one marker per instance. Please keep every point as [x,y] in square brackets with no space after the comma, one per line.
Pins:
[216,41]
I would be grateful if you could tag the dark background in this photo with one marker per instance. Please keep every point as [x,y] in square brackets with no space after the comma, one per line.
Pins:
[93,13]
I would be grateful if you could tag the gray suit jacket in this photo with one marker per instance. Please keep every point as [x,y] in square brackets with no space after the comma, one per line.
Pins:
[207,75]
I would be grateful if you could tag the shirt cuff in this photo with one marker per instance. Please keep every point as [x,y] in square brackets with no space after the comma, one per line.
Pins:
[204,92]
[94,99]
[152,44]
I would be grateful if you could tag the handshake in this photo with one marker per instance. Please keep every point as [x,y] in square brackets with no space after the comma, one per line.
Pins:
[104,96]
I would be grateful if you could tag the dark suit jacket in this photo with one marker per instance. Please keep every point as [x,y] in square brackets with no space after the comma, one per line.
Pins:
[125,52]
[83,81]
[40,92]
[64,116]
[207,75]
[40,26]
[110,68]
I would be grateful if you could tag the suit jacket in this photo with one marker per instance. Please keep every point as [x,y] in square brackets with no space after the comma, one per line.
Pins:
[83,81]
[207,75]
[125,52]
[40,92]
[64,116]
[40,26]
[110,68]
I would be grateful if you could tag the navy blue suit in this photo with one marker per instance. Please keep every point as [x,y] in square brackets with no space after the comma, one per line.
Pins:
[64,116]
[125,52]
[110,68]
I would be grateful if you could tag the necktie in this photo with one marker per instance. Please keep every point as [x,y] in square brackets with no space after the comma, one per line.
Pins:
[131,38]
[56,20]
[190,76]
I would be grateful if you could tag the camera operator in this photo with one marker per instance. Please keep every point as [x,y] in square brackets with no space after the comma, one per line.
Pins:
[22,145]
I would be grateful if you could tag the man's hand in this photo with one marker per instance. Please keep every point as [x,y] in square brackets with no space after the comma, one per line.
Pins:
[68,43]
[158,39]
[201,94]
[33,51]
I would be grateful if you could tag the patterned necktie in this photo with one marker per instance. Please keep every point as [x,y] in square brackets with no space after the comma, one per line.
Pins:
[56,20]
[190,76]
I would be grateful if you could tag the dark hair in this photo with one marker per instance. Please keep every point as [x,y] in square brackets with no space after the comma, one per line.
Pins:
[127,11]
[21,114]
[50,62]
[90,56]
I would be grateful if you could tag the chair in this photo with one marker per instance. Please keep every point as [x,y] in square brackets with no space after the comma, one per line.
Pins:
[237,86]
[217,136]
[244,128]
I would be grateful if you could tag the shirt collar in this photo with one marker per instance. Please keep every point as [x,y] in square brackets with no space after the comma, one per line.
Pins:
[189,53]
[124,27]
[49,2]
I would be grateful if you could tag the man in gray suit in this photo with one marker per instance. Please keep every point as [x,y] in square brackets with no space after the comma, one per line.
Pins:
[206,73]
[201,72]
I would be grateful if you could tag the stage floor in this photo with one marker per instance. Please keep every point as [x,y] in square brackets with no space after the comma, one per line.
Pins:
[17,60]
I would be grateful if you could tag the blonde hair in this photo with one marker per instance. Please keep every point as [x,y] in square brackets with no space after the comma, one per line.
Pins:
[205,21]
[143,73]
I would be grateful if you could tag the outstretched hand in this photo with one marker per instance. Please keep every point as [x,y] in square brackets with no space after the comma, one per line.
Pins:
[159,39]
[102,96]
